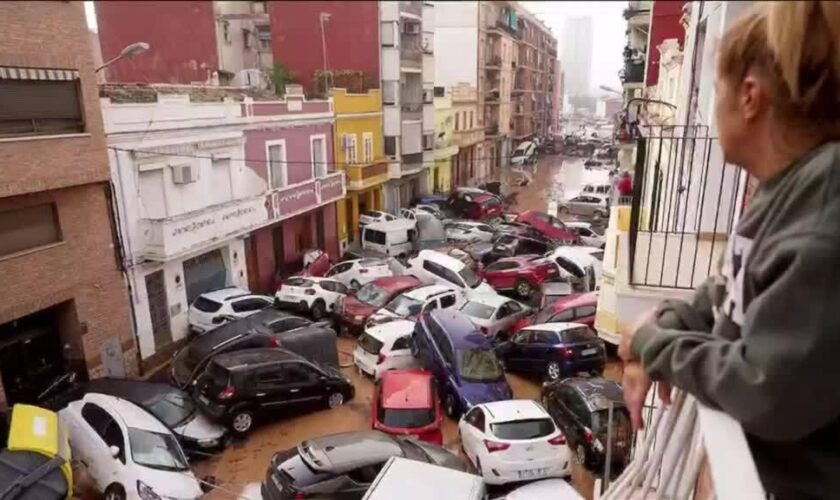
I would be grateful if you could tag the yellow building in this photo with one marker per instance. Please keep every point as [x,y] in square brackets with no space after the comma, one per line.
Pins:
[359,151]
[440,174]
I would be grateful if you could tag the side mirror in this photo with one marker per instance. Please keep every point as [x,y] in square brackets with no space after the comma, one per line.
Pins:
[115,451]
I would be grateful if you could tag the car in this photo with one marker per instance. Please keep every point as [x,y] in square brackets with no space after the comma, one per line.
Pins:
[213,309]
[554,350]
[355,251]
[494,315]
[409,304]
[460,254]
[514,440]
[431,209]
[354,310]
[318,296]
[597,189]
[175,408]
[524,274]
[596,207]
[344,465]
[511,246]
[355,273]
[393,238]
[438,200]
[576,308]
[482,207]
[316,262]
[578,266]
[580,407]
[461,197]
[385,347]
[239,387]
[128,453]
[413,480]
[544,489]
[468,231]
[434,267]
[516,229]
[371,216]
[587,235]
[405,403]
[462,358]
[549,226]
[525,153]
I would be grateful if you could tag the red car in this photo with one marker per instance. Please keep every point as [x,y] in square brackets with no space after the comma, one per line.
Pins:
[483,206]
[354,310]
[524,273]
[405,402]
[577,308]
[549,226]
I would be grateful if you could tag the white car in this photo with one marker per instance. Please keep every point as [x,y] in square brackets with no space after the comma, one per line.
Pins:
[355,273]
[587,235]
[411,303]
[494,314]
[318,296]
[435,267]
[127,452]
[385,347]
[545,489]
[576,264]
[514,440]
[430,209]
[409,479]
[468,231]
[371,216]
[213,309]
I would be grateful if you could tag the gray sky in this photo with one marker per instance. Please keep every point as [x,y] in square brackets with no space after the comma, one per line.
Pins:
[608,26]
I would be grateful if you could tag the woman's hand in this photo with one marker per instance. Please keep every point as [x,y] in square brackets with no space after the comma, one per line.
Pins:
[624,351]
[635,382]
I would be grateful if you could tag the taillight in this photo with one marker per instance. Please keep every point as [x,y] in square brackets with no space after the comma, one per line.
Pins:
[309,291]
[557,440]
[300,495]
[380,359]
[495,446]
[587,436]
[566,352]
[227,392]
[363,271]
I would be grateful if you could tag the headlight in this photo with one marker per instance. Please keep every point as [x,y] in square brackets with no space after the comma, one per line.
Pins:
[146,492]
[207,443]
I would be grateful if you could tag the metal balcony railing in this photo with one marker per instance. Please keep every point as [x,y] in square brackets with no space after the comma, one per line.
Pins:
[634,72]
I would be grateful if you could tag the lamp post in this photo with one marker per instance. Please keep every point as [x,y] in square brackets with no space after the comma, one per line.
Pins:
[324,16]
[131,50]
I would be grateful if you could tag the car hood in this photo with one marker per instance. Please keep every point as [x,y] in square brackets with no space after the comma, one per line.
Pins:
[383,315]
[479,249]
[199,427]
[171,484]
[483,289]
[484,392]
[355,307]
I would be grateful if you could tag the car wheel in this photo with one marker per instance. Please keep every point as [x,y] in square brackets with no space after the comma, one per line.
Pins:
[335,400]
[319,310]
[524,289]
[563,210]
[553,371]
[450,406]
[242,421]
[355,284]
[580,455]
[115,492]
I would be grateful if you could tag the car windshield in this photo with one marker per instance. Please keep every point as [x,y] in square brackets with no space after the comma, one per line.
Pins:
[478,310]
[523,429]
[156,450]
[370,344]
[204,304]
[372,295]
[173,408]
[480,365]
[404,306]
[470,278]
[406,418]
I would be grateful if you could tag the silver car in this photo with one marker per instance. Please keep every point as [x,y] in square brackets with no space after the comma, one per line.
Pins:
[587,205]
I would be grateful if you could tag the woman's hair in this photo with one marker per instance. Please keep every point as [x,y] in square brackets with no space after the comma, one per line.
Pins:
[795,47]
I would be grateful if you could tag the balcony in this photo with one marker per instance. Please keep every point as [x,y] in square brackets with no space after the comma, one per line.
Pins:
[411,163]
[491,129]
[634,72]
[412,111]
[411,52]
[493,62]
[412,8]
[361,177]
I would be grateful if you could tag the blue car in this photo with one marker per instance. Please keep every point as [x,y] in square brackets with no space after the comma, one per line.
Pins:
[462,359]
[441,200]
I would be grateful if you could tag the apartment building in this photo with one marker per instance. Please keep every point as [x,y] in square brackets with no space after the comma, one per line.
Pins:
[472,164]
[63,297]
[535,79]
[214,187]
[440,174]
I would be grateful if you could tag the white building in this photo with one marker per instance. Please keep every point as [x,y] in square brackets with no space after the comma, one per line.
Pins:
[407,70]
[577,54]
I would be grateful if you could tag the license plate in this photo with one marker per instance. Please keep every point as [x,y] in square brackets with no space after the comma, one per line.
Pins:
[589,352]
[531,473]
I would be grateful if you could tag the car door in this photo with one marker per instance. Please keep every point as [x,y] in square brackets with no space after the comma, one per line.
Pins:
[266,388]
[99,431]
[333,290]
[400,357]
[516,351]
[502,274]
[288,323]
[506,316]
[539,350]
[304,384]
[341,272]
[472,432]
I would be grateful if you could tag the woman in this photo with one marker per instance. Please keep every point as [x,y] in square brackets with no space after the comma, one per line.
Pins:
[761,339]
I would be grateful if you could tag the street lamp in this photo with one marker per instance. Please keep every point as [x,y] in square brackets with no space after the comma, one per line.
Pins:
[324,16]
[607,88]
[132,50]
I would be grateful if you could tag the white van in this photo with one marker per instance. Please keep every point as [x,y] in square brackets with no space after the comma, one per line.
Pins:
[395,238]
[525,152]
[412,480]
[431,266]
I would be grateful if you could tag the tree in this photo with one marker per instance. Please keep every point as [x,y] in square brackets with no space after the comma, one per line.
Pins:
[281,76]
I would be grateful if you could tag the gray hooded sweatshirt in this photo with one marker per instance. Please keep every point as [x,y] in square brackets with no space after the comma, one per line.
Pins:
[761,339]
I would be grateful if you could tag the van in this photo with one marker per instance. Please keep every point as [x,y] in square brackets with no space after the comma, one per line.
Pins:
[412,480]
[395,238]
[525,152]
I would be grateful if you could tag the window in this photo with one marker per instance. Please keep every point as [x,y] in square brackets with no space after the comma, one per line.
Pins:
[440,91]
[39,106]
[584,311]
[532,246]
[471,120]
[457,121]
[402,343]
[390,92]
[428,142]
[264,37]
[523,429]
[431,305]
[28,227]
[319,155]
[247,305]
[390,145]
[277,174]
[350,149]
[374,236]
[297,373]
[522,337]
[246,38]
[388,32]
[447,301]
[340,268]
[476,419]
[578,335]
[502,266]
[366,474]
[544,337]
[367,141]
[271,375]
[97,418]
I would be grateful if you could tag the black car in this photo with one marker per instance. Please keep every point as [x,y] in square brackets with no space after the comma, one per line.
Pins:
[554,350]
[267,328]
[241,386]
[580,407]
[344,465]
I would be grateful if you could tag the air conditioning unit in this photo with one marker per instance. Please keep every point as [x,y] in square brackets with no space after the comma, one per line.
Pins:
[183,174]
[411,28]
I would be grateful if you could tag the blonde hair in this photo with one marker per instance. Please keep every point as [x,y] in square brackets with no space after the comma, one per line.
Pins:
[795,47]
